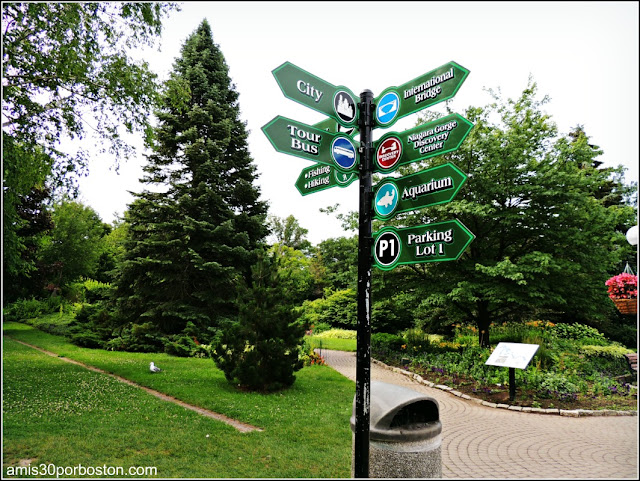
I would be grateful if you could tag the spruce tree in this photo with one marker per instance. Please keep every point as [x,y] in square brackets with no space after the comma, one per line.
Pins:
[193,235]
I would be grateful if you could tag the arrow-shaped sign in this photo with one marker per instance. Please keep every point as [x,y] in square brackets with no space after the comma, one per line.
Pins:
[422,142]
[302,140]
[431,88]
[305,88]
[437,185]
[320,177]
[441,241]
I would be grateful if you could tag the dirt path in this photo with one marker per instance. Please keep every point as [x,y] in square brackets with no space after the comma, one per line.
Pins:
[240,426]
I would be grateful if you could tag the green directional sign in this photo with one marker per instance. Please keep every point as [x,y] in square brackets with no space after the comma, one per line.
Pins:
[320,177]
[303,87]
[441,241]
[431,88]
[302,140]
[419,143]
[437,185]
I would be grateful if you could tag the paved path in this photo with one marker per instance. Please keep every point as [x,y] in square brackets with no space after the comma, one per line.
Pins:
[484,442]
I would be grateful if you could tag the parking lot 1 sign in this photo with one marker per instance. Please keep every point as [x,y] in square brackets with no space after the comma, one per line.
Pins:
[419,143]
[302,140]
[305,88]
[441,241]
[320,177]
[437,185]
[431,88]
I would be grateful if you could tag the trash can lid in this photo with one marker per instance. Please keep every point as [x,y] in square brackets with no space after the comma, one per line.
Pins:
[398,414]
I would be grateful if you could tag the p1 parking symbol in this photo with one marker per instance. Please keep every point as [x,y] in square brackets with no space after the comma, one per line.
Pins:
[386,249]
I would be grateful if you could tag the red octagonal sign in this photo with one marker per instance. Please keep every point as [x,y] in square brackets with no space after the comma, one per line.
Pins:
[388,153]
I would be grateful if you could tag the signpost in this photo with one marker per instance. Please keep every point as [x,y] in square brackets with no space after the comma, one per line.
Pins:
[419,143]
[437,185]
[330,145]
[435,242]
[514,356]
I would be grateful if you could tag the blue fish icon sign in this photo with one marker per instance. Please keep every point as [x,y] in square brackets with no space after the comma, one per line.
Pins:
[386,199]
[343,153]
[388,108]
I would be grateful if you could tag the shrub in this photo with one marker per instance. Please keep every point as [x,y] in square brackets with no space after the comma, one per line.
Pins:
[31,308]
[384,342]
[579,332]
[181,346]
[416,341]
[260,350]
[338,334]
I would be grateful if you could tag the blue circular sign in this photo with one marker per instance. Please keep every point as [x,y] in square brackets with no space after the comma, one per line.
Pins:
[343,153]
[386,199]
[388,108]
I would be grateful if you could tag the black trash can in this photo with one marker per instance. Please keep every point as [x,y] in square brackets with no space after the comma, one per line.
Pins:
[405,433]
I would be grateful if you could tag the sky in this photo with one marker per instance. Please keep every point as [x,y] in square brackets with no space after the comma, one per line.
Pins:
[582,55]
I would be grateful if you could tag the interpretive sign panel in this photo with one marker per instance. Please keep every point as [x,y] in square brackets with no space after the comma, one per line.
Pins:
[512,354]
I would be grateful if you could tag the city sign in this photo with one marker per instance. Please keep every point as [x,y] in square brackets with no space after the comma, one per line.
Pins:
[431,88]
[320,177]
[302,140]
[440,241]
[433,186]
[307,89]
[419,143]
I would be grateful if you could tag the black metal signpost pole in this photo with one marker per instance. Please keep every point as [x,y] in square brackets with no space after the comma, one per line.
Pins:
[363,360]
[512,384]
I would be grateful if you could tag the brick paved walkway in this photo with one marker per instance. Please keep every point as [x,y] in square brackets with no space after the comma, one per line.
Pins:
[483,442]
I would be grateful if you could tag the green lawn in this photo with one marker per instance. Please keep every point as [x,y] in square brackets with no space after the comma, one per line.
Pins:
[332,343]
[55,412]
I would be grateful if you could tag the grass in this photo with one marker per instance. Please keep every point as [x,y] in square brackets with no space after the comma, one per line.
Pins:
[331,343]
[55,412]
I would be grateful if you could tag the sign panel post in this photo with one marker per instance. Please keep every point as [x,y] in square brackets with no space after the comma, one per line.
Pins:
[513,355]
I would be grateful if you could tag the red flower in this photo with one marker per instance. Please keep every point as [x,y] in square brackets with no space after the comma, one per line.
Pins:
[623,286]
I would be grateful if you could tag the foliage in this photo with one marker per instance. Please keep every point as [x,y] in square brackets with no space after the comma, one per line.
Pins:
[289,232]
[73,247]
[24,309]
[338,308]
[337,334]
[383,342]
[53,80]
[549,224]
[337,263]
[564,365]
[623,286]
[294,270]
[259,351]
[191,241]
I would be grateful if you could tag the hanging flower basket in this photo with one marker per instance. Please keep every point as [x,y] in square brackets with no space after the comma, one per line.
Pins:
[623,291]
[626,306]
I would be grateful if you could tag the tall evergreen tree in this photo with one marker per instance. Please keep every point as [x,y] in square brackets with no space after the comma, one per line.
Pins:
[194,234]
